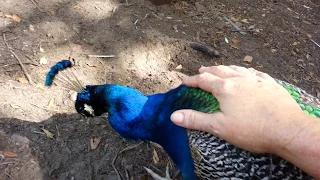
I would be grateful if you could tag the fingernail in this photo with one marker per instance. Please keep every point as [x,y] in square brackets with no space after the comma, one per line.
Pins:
[177,117]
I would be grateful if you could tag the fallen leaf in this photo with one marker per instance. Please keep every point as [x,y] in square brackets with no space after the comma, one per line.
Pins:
[15,18]
[273,50]
[179,67]
[15,106]
[22,80]
[244,20]
[155,157]
[251,27]
[226,40]
[294,43]
[175,27]
[51,103]
[94,142]
[236,41]
[295,80]
[48,133]
[9,154]
[52,12]
[200,7]
[309,35]
[31,28]
[43,60]
[41,49]
[234,47]
[247,59]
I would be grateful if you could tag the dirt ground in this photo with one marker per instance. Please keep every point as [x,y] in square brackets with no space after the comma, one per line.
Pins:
[152,54]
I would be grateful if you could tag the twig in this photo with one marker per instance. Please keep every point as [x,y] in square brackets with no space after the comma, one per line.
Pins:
[315,42]
[20,62]
[36,4]
[126,4]
[11,162]
[8,175]
[234,25]
[242,30]
[115,158]
[57,130]
[47,108]
[101,56]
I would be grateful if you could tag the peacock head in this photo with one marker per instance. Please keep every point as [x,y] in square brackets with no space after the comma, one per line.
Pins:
[84,104]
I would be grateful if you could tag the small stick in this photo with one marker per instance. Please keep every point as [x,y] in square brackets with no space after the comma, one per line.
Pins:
[36,4]
[8,175]
[57,130]
[20,62]
[315,42]
[101,56]
[234,25]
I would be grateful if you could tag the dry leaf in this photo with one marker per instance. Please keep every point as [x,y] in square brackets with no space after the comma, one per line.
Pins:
[295,80]
[226,40]
[294,43]
[273,50]
[14,17]
[22,80]
[248,59]
[52,12]
[51,103]
[179,67]
[234,47]
[31,28]
[155,157]
[9,154]
[94,142]
[235,41]
[309,35]
[244,20]
[15,106]
[43,60]
[251,27]
[48,133]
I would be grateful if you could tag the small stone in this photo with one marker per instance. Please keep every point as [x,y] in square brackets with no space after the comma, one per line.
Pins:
[201,8]
[43,60]
[31,28]
[20,139]
[248,59]
[179,67]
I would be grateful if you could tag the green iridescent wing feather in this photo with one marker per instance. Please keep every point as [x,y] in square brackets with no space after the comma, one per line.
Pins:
[197,99]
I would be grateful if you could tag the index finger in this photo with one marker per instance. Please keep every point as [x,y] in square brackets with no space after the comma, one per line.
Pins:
[205,81]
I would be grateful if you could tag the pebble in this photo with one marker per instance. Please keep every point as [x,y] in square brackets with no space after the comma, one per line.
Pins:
[20,139]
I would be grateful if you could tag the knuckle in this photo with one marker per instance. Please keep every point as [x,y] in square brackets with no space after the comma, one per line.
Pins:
[227,85]
[191,120]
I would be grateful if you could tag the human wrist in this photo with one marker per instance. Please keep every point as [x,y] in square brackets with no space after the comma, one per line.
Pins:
[292,137]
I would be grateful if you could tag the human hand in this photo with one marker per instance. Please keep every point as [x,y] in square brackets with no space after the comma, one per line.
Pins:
[255,111]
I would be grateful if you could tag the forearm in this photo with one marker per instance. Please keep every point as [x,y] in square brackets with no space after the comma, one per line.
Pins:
[301,146]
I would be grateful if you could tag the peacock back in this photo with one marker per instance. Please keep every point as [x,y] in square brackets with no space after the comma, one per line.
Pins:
[215,158]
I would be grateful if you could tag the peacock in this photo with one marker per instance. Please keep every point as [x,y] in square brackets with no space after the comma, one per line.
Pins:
[198,155]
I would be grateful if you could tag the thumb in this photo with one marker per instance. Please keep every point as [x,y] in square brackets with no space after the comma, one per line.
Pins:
[190,119]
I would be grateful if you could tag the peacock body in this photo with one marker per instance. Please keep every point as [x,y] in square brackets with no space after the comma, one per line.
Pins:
[218,159]
[197,154]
